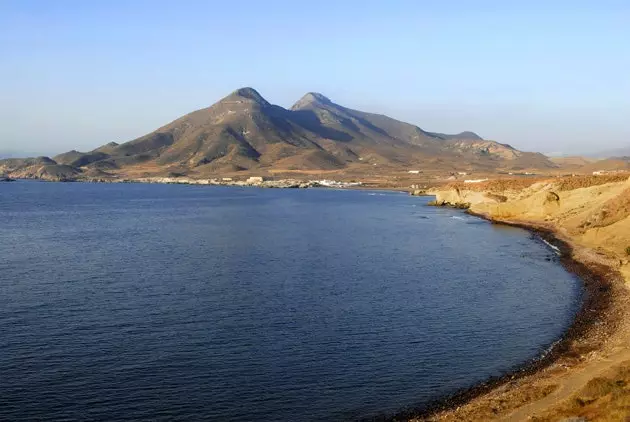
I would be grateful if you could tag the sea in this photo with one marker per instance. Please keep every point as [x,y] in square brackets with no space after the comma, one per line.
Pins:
[151,302]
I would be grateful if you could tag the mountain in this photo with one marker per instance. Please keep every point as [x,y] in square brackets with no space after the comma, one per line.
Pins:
[575,162]
[608,164]
[609,153]
[37,168]
[244,132]
[467,135]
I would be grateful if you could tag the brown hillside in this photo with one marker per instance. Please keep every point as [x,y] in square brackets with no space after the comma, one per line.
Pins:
[244,132]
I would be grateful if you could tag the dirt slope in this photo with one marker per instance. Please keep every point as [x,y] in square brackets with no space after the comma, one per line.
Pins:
[591,377]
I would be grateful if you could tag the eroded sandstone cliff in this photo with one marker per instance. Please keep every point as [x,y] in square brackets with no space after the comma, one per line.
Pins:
[589,379]
[593,211]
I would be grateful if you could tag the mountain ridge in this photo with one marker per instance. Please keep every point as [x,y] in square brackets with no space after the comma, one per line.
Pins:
[244,132]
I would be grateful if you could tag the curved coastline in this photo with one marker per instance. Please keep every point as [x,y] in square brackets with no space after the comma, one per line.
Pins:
[595,323]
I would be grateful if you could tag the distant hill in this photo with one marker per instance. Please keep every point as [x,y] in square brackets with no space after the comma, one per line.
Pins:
[572,162]
[609,164]
[243,131]
[467,135]
[611,153]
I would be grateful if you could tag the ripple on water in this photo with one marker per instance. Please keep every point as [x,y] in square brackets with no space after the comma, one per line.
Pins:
[149,302]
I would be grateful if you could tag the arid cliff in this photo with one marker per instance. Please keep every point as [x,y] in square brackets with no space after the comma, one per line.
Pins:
[588,373]
[593,211]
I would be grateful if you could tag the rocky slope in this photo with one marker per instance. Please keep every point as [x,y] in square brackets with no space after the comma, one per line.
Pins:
[243,131]
[590,376]
[593,210]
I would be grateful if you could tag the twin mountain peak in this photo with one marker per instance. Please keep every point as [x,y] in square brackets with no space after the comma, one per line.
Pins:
[244,132]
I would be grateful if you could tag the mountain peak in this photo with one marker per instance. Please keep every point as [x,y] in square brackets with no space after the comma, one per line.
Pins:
[244,132]
[311,98]
[469,135]
[250,94]
[316,96]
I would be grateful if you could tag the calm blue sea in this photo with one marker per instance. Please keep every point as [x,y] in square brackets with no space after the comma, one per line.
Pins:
[166,302]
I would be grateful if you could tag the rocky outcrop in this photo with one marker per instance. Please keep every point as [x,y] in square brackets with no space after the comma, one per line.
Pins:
[461,198]
[13,164]
[552,197]
[49,172]
[42,168]
[587,221]
[592,211]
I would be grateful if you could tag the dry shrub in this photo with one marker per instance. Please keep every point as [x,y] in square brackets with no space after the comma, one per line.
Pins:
[602,399]
[577,182]
[598,387]
[496,185]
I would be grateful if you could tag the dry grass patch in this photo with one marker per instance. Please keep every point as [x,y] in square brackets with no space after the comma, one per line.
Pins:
[577,182]
[497,185]
[602,399]
[560,183]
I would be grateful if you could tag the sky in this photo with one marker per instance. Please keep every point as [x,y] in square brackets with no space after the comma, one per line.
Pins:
[549,76]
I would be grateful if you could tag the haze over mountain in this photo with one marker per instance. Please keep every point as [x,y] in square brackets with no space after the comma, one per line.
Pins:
[14,154]
[611,153]
[244,132]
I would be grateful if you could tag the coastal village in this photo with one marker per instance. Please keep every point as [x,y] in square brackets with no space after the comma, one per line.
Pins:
[253,181]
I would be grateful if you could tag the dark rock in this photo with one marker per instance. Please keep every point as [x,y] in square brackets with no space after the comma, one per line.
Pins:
[552,197]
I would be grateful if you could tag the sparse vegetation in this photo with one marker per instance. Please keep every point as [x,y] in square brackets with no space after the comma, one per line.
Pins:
[602,399]
[497,185]
[577,182]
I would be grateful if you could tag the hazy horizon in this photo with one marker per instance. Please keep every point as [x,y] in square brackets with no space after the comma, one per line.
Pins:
[538,77]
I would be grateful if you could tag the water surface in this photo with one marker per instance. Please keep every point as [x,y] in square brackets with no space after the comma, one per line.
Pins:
[156,302]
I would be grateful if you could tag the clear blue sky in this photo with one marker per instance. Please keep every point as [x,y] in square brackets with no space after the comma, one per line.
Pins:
[540,75]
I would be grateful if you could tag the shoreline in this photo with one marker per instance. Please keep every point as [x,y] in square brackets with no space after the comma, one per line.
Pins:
[595,323]
[271,184]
